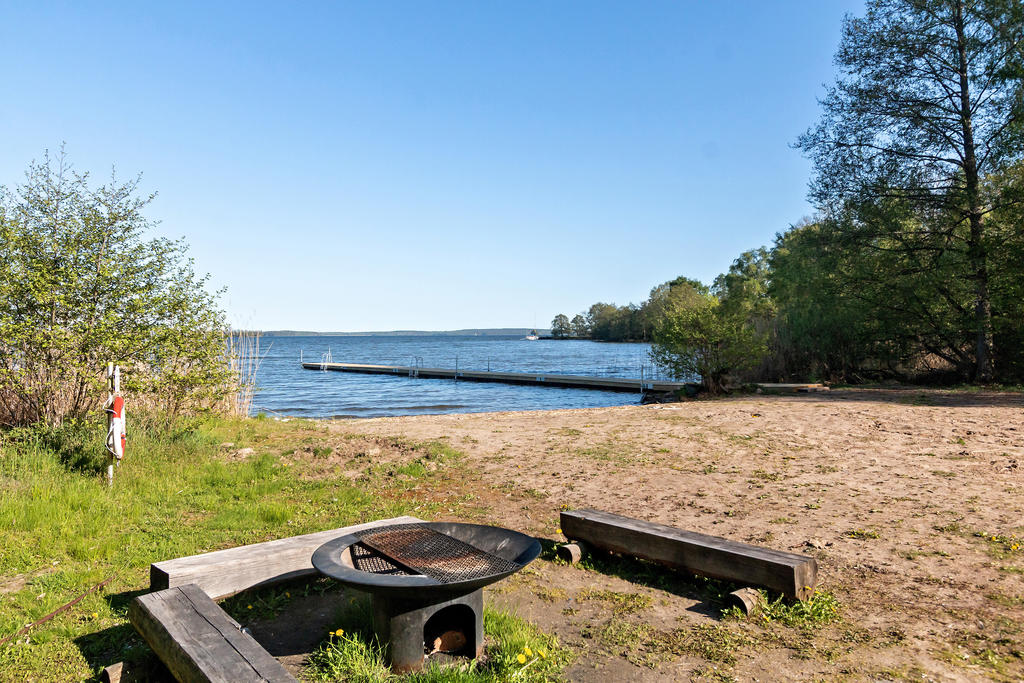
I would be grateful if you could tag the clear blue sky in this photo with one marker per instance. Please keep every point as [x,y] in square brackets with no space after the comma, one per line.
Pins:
[432,165]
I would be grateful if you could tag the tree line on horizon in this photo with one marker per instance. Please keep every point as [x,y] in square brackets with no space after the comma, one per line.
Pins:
[911,268]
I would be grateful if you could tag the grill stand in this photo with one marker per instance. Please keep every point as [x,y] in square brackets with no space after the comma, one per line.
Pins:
[401,624]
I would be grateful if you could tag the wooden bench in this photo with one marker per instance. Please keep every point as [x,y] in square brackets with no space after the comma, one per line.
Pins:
[197,641]
[193,636]
[791,574]
[225,572]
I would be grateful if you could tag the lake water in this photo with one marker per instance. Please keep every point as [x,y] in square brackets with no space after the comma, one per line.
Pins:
[287,389]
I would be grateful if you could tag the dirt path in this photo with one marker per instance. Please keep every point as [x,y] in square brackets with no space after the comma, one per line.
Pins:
[912,502]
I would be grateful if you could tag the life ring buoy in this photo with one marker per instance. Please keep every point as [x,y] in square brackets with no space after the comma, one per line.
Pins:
[117,438]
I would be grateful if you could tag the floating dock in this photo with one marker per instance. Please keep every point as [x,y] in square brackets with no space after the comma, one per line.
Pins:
[532,378]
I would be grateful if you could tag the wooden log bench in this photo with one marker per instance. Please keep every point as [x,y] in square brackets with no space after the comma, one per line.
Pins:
[193,636]
[791,574]
[225,572]
[198,641]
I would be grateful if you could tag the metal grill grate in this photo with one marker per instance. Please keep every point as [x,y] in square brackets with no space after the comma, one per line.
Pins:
[433,554]
[366,559]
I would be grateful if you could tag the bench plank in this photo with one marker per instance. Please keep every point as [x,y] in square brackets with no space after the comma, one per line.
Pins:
[198,641]
[225,572]
[791,574]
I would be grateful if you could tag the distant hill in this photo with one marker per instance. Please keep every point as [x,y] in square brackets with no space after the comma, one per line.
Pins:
[488,332]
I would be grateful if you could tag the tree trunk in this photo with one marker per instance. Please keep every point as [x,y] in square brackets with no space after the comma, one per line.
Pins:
[976,255]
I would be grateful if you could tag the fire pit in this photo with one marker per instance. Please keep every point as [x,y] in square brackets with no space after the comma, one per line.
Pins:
[426,581]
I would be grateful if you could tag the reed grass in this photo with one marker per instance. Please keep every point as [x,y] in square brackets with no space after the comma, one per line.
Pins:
[243,360]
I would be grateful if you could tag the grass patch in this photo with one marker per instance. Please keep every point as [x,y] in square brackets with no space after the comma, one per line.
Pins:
[820,609]
[645,645]
[862,534]
[621,603]
[178,492]
[515,651]
[1002,546]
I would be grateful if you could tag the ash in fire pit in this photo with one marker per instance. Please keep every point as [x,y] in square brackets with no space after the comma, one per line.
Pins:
[426,581]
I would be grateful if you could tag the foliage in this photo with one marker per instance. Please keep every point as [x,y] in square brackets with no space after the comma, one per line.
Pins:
[929,105]
[560,326]
[579,326]
[698,335]
[81,286]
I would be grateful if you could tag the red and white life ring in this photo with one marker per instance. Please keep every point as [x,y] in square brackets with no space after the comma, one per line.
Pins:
[116,437]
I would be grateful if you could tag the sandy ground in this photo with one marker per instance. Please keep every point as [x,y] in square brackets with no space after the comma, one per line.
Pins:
[912,501]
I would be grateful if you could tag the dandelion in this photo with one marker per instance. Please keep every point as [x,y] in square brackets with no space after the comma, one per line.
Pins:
[248,607]
[559,530]
[521,658]
[95,615]
[340,632]
[527,651]
[543,653]
[287,594]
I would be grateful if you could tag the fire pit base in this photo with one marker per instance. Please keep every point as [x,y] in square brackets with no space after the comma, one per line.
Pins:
[411,627]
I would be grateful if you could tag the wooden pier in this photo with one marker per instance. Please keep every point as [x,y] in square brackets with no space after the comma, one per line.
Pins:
[531,378]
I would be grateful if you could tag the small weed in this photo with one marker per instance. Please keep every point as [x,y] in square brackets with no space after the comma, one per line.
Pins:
[862,534]
[782,520]
[550,594]
[622,603]
[766,476]
[1002,546]
[915,553]
[713,642]
[1006,600]
[820,609]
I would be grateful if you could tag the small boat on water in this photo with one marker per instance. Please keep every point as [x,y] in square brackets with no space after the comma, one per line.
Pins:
[532,336]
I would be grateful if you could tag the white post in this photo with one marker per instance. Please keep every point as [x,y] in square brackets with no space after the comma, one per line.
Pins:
[112,381]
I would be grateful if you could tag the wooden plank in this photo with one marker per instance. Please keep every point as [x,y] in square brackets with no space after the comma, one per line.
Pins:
[225,572]
[199,642]
[791,574]
[534,378]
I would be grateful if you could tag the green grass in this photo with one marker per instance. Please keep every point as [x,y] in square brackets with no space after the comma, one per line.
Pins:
[515,651]
[178,492]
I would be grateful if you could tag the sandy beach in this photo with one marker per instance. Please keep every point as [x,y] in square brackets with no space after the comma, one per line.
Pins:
[912,501]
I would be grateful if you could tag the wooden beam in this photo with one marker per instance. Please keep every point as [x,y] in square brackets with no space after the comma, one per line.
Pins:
[225,572]
[198,641]
[791,574]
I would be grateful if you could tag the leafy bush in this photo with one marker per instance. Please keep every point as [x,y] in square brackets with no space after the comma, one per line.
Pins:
[81,286]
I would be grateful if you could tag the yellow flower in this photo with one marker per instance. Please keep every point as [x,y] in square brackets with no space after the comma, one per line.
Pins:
[559,530]
[521,658]
[527,651]
[287,594]
[340,632]
[95,615]
[248,607]
[543,653]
